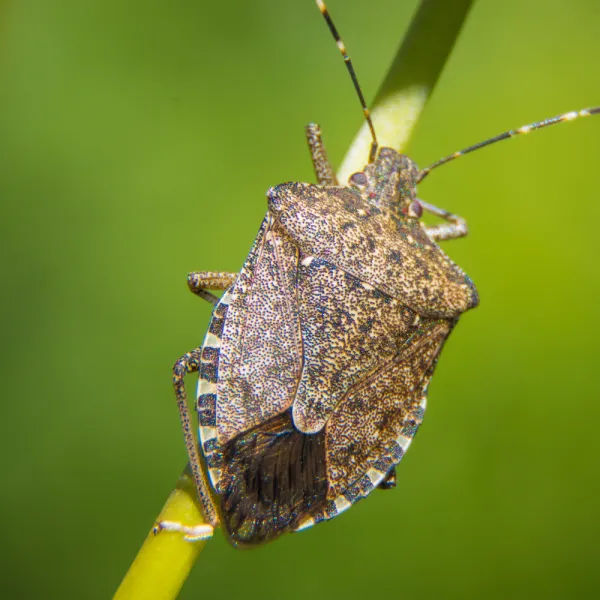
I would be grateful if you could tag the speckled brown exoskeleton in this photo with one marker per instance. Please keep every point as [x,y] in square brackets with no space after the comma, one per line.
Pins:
[313,374]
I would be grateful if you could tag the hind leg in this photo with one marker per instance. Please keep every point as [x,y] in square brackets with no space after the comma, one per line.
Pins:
[389,481]
[199,283]
[189,363]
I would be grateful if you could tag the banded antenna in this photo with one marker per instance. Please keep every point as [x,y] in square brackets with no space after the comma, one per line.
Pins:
[570,116]
[342,49]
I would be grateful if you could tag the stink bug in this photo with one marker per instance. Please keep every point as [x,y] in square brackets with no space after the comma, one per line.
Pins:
[313,374]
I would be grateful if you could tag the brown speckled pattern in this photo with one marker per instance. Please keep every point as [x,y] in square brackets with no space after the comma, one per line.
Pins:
[345,336]
[370,239]
[260,358]
[330,334]
[372,416]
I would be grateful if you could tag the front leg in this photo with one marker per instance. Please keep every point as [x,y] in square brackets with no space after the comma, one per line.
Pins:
[321,164]
[200,282]
[456,227]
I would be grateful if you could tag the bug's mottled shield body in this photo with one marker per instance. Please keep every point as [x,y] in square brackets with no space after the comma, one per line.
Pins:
[314,372]
[315,368]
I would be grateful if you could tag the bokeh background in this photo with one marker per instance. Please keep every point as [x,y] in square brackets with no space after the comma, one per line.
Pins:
[137,140]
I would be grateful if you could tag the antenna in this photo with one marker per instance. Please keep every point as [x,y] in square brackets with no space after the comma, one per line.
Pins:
[342,49]
[570,116]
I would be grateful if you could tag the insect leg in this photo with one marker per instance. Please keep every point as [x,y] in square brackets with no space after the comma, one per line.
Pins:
[190,363]
[389,481]
[200,282]
[323,168]
[455,228]
[194,533]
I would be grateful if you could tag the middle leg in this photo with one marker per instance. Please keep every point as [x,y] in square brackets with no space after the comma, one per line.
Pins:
[200,282]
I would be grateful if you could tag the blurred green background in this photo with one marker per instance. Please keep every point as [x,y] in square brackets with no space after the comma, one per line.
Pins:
[137,140]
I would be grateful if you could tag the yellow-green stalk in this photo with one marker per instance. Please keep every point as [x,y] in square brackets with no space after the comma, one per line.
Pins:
[164,561]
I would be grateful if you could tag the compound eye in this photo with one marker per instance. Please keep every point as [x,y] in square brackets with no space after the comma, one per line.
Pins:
[415,210]
[358,179]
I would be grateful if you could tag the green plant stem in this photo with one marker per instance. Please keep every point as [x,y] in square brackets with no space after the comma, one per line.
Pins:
[410,79]
[164,561]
